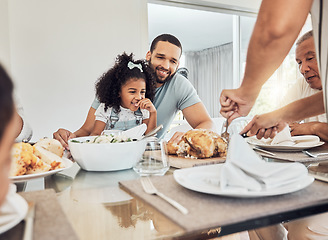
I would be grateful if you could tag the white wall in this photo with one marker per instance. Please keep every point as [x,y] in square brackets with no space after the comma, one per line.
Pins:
[59,48]
[4,35]
[56,50]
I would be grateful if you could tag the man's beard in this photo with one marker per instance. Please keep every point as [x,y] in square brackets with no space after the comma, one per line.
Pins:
[158,80]
[162,81]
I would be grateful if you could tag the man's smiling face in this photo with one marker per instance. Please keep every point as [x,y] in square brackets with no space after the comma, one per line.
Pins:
[164,60]
[307,63]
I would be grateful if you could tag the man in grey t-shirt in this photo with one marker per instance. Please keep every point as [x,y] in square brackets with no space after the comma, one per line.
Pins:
[173,93]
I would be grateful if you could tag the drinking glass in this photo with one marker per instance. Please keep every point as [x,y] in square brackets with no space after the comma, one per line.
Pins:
[154,160]
[236,125]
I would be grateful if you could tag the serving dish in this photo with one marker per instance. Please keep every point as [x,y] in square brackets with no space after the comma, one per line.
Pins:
[105,156]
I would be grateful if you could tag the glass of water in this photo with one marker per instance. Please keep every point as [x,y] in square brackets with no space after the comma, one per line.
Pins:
[238,124]
[154,161]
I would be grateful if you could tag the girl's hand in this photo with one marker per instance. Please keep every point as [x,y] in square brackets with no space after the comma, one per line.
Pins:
[147,104]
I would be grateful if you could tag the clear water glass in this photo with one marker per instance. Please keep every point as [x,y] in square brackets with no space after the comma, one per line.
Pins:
[154,161]
[237,125]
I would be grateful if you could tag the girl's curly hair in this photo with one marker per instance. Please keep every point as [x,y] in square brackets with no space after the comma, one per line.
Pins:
[109,85]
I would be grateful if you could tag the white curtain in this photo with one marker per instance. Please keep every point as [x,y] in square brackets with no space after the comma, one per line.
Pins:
[210,71]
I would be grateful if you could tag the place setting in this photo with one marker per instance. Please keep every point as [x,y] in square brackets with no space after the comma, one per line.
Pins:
[33,215]
[284,142]
[304,149]
[22,213]
[244,179]
[245,174]
[13,210]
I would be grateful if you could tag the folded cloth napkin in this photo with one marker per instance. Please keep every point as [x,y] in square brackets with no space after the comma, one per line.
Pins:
[136,132]
[283,138]
[9,211]
[245,170]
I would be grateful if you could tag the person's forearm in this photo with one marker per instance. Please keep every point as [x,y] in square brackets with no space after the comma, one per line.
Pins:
[88,125]
[278,25]
[21,123]
[303,108]
[321,130]
[208,125]
[99,127]
[152,122]
[82,132]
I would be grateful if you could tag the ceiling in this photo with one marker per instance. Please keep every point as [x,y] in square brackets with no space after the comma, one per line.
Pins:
[196,29]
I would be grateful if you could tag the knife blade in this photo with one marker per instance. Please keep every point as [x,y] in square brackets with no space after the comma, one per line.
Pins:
[263,151]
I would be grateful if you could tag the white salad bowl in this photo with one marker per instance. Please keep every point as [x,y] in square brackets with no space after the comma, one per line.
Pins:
[105,156]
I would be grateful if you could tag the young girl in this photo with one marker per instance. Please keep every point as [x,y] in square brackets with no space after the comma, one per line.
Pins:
[125,93]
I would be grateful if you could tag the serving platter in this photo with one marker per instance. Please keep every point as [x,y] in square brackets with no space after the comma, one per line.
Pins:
[187,162]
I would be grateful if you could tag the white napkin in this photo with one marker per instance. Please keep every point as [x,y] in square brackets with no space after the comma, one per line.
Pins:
[245,170]
[136,132]
[9,211]
[283,138]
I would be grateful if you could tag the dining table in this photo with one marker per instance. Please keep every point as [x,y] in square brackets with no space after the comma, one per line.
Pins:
[113,205]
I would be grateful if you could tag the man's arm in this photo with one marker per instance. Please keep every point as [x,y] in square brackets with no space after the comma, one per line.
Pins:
[277,27]
[63,135]
[319,129]
[24,132]
[21,123]
[197,117]
[263,125]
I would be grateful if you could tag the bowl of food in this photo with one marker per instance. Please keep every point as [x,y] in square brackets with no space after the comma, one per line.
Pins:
[106,152]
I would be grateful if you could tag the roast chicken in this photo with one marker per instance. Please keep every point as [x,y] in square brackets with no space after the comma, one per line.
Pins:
[199,143]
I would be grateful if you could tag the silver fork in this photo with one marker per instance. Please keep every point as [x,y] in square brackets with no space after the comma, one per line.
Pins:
[313,154]
[150,189]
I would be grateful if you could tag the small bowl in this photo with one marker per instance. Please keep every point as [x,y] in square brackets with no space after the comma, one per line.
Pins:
[106,156]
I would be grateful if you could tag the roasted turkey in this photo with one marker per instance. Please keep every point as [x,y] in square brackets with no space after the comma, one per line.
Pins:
[199,143]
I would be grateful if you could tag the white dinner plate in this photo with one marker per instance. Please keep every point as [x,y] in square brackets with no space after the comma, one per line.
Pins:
[23,178]
[197,179]
[285,148]
[21,208]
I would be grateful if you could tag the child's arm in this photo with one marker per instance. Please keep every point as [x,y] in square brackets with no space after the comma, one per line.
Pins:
[152,120]
[98,128]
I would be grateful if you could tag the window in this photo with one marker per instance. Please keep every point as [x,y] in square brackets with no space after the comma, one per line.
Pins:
[206,38]
[278,84]
[200,31]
